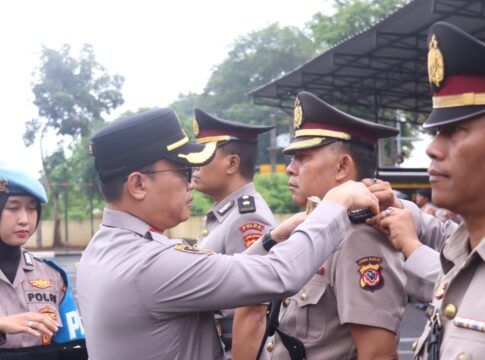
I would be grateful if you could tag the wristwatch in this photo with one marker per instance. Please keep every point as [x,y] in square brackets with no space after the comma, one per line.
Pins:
[267,241]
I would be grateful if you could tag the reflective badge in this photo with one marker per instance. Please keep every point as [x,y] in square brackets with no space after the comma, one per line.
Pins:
[4,185]
[193,250]
[370,270]
[41,283]
[47,310]
[251,226]
[250,239]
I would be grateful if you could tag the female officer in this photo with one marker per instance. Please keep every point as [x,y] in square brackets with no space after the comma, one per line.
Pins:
[37,306]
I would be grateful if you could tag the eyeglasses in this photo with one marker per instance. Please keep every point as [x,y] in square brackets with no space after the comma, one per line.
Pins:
[187,170]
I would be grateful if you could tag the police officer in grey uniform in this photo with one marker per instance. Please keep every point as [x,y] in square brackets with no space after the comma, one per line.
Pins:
[355,301]
[144,296]
[238,217]
[456,326]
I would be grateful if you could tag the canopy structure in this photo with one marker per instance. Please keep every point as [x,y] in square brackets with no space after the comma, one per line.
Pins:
[381,68]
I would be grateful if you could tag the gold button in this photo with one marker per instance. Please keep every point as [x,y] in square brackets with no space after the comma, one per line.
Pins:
[414,346]
[450,311]
[303,296]
[269,346]
[205,232]
[286,302]
[462,356]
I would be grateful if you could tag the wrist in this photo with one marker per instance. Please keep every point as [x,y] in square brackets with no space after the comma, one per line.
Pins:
[409,247]
[267,241]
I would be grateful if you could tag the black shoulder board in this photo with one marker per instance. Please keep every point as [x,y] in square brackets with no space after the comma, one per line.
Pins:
[227,206]
[246,204]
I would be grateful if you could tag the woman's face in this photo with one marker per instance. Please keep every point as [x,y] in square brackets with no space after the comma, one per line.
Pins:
[18,219]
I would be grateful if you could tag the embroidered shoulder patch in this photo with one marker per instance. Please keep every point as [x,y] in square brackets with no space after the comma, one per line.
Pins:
[41,283]
[47,310]
[193,250]
[246,204]
[370,270]
[251,226]
[250,239]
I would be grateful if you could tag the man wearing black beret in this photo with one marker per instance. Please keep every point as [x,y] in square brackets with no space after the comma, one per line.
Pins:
[145,296]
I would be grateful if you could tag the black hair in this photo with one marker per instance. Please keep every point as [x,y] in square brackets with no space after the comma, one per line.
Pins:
[364,156]
[247,152]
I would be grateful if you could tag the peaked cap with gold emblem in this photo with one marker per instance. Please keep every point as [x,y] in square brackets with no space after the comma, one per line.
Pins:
[317,123]
[136,141]
[456,74]
[211,129]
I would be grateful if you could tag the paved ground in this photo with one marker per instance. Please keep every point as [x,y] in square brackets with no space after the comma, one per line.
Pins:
[411,326]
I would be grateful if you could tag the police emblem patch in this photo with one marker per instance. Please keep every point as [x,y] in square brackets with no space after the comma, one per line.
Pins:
[251,226]
[192,250]
[298,114]
[40,283]
[250,239]
[4,185]
[370,270]
[47,310]
[436,63]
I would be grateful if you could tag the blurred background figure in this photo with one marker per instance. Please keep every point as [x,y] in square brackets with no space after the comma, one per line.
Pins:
[423,200]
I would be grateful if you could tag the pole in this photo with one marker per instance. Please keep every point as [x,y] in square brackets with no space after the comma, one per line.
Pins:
[66,236]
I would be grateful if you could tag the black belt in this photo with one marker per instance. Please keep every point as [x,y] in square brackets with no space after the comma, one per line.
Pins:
[74,350]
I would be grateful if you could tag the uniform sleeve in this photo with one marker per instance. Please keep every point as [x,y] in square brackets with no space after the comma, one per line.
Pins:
[431,232]
[422,269]
[245,230]
[181,281]
[369,281]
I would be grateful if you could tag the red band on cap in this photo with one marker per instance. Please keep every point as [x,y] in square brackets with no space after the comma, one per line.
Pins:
[235,133]
[352,132]
[461,84]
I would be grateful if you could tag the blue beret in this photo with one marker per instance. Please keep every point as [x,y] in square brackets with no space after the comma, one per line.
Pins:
[15,181]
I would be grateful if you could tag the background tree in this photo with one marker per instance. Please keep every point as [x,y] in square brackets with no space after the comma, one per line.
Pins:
[71,95]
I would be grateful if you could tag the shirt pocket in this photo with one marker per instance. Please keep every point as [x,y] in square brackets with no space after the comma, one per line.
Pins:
[310,317]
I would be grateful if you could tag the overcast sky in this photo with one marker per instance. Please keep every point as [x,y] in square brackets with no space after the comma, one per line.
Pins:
[162,48]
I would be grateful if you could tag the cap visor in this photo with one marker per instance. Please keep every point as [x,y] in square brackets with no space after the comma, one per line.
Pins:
[450,115]
[192,154]
[306,143]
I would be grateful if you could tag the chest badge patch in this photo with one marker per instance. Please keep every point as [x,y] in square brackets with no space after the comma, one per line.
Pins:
[370,270]
[50,312]
[41,283]
[192,250]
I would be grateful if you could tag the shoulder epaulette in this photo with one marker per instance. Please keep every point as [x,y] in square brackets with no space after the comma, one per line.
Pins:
[246,204]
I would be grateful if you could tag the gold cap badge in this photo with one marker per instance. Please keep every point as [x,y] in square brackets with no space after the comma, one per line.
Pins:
[4,185]
[195,126]
[298,114]
[436,63]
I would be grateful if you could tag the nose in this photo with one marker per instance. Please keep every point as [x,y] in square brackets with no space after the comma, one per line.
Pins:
[435,148]
[291,169]
[22,216]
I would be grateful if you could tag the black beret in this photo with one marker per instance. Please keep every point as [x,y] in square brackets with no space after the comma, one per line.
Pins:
[316,123]
[456,74]
[139,140]
[208,128]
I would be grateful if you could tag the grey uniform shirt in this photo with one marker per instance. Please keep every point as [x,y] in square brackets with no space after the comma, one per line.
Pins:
[142,296]
[230,227]
[38,288]
[361,283]
[459,300]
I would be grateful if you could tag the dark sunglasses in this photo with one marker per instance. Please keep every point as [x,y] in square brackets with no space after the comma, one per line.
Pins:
[187,170]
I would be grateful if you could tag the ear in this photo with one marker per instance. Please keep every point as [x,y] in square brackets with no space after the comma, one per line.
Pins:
[233,162]
[345,168]
[136,185]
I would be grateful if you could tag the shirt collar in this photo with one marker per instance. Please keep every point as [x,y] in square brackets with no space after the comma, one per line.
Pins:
[124,220]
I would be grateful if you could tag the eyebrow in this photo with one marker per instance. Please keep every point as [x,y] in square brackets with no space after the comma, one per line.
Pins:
[17,202]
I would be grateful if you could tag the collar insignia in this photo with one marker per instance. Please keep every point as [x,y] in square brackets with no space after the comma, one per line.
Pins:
[436,63]
[4,185]
[224,209]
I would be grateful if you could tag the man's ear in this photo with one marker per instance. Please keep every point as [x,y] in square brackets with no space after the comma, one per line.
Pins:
[136,185]
[345,168]
[233,163]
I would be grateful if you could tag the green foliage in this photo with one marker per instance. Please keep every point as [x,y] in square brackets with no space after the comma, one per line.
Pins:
[350,17]
[201,203]
[274,189]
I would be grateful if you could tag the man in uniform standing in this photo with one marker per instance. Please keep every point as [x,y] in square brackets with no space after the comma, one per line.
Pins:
[353,305]
[144,296]
[456,316]
[237,219]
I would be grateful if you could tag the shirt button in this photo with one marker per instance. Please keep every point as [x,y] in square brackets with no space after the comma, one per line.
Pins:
[269,346]
[462,356]
[205,232]
[286,302]
[414,346]
[303,295]
[450,311]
